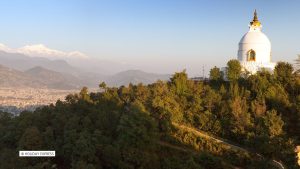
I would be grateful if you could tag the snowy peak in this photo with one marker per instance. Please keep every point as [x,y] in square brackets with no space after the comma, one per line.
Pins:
[40,50]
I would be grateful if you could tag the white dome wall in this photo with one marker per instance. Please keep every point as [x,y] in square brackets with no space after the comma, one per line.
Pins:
[258,42]
[263,52]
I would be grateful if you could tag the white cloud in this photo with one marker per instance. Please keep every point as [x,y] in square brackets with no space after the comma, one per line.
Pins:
[6,48]
[40,50]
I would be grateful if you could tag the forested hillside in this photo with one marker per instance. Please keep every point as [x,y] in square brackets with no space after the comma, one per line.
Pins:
[155,126]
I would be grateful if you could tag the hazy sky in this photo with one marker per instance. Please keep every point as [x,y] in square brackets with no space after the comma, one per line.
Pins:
[155,35]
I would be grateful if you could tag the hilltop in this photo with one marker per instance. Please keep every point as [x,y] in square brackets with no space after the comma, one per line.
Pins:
[174,124]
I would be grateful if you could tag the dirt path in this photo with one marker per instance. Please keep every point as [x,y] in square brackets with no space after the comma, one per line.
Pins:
[186,150]
[225,142]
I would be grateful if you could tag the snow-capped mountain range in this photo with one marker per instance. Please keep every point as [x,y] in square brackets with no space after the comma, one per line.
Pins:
[40,50]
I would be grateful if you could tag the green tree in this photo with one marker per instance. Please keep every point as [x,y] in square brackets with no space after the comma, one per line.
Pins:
[164,106]
[215,74]
[260,82]
[258,107]
[273,123]
[179,82]
[84,94]
[283,72]
[277,97]
[241,120]
[234,70]
[31,139]
[103,86]
[84,148]
[137,135]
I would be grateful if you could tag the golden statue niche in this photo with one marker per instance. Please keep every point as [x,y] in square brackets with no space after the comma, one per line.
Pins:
[251,55]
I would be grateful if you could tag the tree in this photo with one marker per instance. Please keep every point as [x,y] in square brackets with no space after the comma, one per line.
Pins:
[215,74]
[31,139]
[241,119]
[85,147]
[277,98]
[137,135]
[234,70]
[212,99]
[102,85]
[179,81]
[260,82]
[141,92]
[259,107]
[283,72]
[273,123]
[84,94]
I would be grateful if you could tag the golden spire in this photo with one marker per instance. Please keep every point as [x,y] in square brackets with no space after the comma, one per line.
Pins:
[255,21]
[255,16]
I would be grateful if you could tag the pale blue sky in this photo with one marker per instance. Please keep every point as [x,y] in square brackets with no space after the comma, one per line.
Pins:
[156,35]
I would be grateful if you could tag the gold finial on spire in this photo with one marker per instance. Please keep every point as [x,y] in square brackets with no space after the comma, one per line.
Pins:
[255,21]
[255,16]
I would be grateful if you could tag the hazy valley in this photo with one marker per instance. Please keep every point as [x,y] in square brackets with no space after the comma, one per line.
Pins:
[27,82]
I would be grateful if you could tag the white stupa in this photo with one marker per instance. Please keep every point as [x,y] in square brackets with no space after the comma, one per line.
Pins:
[254,51]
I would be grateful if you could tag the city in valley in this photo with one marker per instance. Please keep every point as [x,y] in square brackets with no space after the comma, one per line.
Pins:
[15,100]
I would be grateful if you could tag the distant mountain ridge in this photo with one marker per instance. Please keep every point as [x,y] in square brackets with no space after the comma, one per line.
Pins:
[135,77]
[22,62]
[53,79]
[59,74]
[39,77]
[14,78]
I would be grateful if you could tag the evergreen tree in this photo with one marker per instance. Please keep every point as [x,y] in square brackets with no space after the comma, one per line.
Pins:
[215,74]
[284,72]
[234,70]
